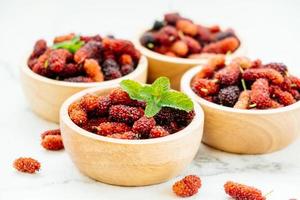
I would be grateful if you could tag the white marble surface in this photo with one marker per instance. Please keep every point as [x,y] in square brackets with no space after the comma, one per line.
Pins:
[270,30]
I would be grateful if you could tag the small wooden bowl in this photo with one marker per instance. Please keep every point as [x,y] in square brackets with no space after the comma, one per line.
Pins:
[45,95]
[129,162]
[245,131]
[173,67]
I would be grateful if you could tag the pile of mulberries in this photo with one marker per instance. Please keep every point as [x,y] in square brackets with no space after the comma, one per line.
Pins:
[246,84]
[116,115]
[97,59]
[178,36]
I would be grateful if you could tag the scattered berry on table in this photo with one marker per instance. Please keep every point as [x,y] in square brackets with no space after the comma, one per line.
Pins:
[188,186]
[242,192]
[27,165]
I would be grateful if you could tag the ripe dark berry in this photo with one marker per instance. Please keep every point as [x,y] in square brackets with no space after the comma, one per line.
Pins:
[157,25]
[92,49]
[165,116]
[228,96]
[184,118]
[188,186]
[229,75]
[158,131]
[104,104]
[225,34]
[148,40]
[119,96]
[143,126]
[171,18]
[127,114]
[58,59]
[111,73]
[285,98]
[110,63]
[280,67]
[108,128]
[239,191]
[126,69]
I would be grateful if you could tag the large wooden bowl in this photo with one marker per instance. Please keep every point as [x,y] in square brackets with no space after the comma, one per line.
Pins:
[129,162]
[45,96]
[172,67]
[245,131]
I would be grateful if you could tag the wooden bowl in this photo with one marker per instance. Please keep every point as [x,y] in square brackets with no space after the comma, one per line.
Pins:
[45,95]
[173,67]
[245,131]
[129,162]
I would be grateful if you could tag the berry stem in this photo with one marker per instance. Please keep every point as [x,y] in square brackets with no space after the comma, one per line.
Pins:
[244,84]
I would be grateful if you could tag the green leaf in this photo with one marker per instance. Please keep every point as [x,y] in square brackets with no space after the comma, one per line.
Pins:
[133,89]
[160,85]
[176,100]
[71,45]
[152,108]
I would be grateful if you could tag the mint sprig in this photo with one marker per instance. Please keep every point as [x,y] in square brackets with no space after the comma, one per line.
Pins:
[71,45]
[157,95]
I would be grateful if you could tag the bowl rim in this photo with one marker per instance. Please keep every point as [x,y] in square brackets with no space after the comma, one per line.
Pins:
[65,119]
[192,61]
[185,87]
[142,64]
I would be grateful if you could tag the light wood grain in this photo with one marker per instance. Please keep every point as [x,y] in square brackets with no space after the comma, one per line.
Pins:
[173,67]
[45,96]
[129,162]
[245,131]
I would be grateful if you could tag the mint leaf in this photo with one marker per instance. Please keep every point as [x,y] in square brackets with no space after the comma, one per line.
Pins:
[176,100]
[160,85]
[147,93]
[152,109]
[71,45]
[133,89]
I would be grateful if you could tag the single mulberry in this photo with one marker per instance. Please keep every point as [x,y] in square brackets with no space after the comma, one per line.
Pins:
[27,165]
[143,126]
[285,98]
[229,75]
[108,128]
[93,70]
[89,102]
[188,186]
[187,27]
[205,87]
[260,94]
[242,192]
[243,101]
[228,96]
[267,73]
[58,59]
[229,44]
[280,67]
[77,114]
[127,114]
[158,131]
[119,96]
[52,142]
[92,49]
[165,116]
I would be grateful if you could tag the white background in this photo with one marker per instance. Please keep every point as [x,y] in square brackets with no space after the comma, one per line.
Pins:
[270,30]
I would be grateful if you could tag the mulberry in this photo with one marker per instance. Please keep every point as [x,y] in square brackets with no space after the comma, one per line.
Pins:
[229,75]
[188,186]
[127,114]
[50,132]
[240,192]
[27,165]
[228,96]
[267,73]
[52,142]
[285,98]
[89,102]
[229,44]
[77,114]
[93,70]
[208,70]
[108,128]
[205,87]
[243,101]
[158,131]
[280,67]
[58,59]
[92,49]
[260,95]
[143,126]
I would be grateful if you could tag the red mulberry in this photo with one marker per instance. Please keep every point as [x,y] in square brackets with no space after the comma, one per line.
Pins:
[77,114]
[91,49]
[108,128]
[70,70]
[193,46]
[119,96]
[143,126]
[295,82]
[229,75]
[27,165]
[172,18]
[158,131]
[180,48]
[127,114]
[187,27]
[241,192]
[166,36]
[228,96]
[267,73]
[129,135]
[50,132]
[89,102]
[58,59]
[280,67]
[188,186]
[205,87]
[39,48]
[93,123]
[93,70]
[52,142]
[229,44]
[260,95]
[285,98]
